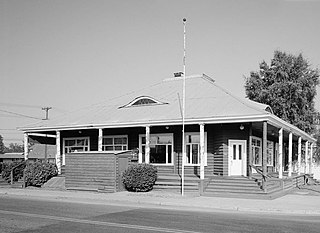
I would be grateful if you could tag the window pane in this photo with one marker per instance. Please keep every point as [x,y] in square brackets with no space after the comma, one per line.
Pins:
[234,152]
[195,138]
[80,142]
[118,141]
[240,152]
[108,141]
[117,147]
[188,154]
[158,154]
[70,142]
[195,153]
[109,148]
[169,154]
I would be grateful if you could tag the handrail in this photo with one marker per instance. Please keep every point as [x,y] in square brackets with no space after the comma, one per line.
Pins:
[12,170]
[260,172]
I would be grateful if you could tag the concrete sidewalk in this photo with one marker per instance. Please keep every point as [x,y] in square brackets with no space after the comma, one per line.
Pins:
[289,204]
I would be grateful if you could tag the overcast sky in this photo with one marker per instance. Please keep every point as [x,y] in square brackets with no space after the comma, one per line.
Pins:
[68,54]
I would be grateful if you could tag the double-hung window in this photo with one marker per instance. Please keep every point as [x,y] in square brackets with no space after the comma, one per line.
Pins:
[115,143]
[270,153]
[193,149]
[76,144]
[256,151]
[161,148]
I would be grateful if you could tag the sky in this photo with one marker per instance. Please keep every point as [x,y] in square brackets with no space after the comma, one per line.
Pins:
[68,54]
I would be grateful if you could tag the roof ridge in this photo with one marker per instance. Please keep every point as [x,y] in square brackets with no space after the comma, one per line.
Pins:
[240,99]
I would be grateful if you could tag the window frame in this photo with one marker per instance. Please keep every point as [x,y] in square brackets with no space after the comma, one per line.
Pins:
[113,137]
[142,153]
[260,151]
[205,148]
[270,164]
[75,138]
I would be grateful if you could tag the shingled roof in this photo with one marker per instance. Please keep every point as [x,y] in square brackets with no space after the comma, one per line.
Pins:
[161,104]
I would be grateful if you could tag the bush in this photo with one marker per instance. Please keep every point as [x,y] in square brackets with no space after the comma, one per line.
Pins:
[139,177]
[6,168]
[38,173]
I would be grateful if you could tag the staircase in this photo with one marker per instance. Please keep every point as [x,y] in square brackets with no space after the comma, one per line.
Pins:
[172,183]
[243,187]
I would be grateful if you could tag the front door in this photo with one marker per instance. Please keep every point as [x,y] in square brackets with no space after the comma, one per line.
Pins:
[237,157]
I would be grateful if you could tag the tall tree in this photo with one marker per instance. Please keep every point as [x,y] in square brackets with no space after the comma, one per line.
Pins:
[288,85]
[2,147]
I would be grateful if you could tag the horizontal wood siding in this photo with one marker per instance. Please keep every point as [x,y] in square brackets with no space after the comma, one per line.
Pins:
[92,171]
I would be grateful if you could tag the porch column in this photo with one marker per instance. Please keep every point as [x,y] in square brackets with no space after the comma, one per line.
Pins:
[250,151]
[306,157]
[26,148]
[299,155]
[311,158]
[264,152]
[147,155]
[58,155]
[202,157]
[100,138]
[280,159]
[290,155]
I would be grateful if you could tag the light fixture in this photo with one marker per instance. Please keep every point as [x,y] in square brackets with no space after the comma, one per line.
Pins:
[241,127]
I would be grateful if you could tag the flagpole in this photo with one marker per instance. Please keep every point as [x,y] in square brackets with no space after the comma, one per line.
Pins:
[183,106]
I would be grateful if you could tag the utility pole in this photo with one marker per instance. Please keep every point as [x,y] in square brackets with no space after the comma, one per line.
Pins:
[47,112]
[45,145]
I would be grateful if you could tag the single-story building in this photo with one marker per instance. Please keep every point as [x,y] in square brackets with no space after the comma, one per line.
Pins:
[36,152]
[224,135]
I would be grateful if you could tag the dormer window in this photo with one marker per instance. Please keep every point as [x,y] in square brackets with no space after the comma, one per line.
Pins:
[143,101]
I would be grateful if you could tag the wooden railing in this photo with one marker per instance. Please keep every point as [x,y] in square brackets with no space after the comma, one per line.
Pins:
[12,174]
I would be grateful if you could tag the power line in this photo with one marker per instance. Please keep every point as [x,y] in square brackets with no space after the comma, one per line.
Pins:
[19,114]
[19,105]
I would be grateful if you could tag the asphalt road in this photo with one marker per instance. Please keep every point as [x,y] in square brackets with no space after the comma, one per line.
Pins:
[30,215]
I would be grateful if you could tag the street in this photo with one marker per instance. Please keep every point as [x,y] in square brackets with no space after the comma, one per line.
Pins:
[30,215]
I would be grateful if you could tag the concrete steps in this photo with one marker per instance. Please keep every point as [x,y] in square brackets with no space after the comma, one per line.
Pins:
[172,183]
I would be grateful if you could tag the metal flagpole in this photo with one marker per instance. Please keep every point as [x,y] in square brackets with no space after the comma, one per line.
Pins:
[183,106]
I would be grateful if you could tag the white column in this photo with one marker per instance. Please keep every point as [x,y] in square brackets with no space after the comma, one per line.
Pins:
[290,155]
[311,158]
[58,155]
[147,155]
[299,155]
[306,157]
[280,152]
[26,147]
[202,151]
[100,138]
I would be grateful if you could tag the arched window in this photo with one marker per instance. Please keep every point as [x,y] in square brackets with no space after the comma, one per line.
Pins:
[143,101]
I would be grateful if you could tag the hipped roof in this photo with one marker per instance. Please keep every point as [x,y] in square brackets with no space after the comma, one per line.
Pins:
[205,102]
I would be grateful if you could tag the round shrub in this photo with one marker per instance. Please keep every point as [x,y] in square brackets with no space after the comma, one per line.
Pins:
[38,173]
[139,177]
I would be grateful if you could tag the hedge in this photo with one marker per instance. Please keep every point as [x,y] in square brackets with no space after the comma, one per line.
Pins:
[139,177]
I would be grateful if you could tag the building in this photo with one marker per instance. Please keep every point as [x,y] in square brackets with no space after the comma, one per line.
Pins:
[225,136]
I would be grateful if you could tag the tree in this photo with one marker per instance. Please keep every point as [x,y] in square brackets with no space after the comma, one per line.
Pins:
[288,86]
[2,147]
[14,147]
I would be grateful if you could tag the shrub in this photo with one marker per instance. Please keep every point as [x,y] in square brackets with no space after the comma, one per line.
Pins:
[38,173]
[17,173]
[139,177]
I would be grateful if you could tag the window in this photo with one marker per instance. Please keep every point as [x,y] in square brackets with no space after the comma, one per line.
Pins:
[256,151]
[161,148]
[115,143]
[193,149]
[143,101]
[270,153]
[76,144]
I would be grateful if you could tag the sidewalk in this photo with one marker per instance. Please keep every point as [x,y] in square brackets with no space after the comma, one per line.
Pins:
[296,203]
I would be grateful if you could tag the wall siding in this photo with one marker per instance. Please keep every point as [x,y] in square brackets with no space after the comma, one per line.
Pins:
[92,171]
